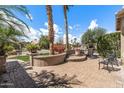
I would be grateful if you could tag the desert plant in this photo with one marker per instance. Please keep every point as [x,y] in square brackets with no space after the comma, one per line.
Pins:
[32,48]
[7,36]
[11,25]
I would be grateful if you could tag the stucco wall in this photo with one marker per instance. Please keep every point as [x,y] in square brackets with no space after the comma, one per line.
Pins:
[122,40]
[122,47]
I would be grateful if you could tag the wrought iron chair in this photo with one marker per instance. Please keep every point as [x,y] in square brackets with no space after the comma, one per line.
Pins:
[110,60]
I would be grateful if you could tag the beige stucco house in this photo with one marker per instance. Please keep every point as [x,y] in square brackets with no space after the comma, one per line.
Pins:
[120,27]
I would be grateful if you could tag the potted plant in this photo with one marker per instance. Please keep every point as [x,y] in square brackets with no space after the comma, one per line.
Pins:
[32,48]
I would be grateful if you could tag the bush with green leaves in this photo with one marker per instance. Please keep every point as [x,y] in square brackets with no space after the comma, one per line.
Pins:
[44,42]
[92,35]
[109,43]
[32,47]
[8,48]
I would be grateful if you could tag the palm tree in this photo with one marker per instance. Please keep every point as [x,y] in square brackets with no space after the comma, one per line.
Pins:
[8,17]
[8,36]
[10,25]
[65,9]
[50,28]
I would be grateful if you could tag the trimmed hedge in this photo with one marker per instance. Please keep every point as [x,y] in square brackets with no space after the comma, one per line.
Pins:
[109,43]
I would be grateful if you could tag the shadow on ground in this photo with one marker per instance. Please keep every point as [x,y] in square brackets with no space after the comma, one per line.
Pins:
[110,69]
[48,79]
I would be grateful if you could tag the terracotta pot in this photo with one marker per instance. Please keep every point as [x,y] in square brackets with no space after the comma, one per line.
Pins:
[34,51]
[2,64]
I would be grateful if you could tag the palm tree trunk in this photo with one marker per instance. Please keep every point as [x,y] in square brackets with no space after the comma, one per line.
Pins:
[50,28]
[66,26]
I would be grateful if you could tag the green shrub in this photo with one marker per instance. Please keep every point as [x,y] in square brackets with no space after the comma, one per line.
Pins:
[32,47]
[44,42]
[109,43]
[8,48]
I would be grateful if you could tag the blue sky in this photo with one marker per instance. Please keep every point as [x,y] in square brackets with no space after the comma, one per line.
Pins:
[80,18]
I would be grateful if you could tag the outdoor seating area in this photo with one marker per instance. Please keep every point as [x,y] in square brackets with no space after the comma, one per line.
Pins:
[44,56]
[86,77]
[110,60]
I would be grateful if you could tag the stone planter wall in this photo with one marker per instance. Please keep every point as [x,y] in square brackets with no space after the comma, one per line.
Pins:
[49,60]
[2,64]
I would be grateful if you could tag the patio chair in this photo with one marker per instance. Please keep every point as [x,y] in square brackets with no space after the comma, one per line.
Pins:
[110,60]
[103,61]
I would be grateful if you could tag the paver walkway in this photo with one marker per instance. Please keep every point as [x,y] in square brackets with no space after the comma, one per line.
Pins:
[16,77]
[88,73]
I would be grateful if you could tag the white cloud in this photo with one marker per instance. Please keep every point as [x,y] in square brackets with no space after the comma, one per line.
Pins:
[109,32]
[44,31]
[32,34]
[123,7]
[71,38]
[93,24]
[57,29]
[70,27]
[46,24]
[29,17]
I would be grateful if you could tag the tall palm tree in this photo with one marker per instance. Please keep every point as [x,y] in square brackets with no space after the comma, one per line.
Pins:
[8,17]
[50,28]
[65,9]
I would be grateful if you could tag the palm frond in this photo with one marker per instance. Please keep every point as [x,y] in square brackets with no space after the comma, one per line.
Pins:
[8,11]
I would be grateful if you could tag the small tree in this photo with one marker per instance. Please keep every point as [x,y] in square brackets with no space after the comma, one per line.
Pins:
[109,43]
[44,42]
[90,37]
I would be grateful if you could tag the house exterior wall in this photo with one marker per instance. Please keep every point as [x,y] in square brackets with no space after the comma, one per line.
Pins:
[122,39]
